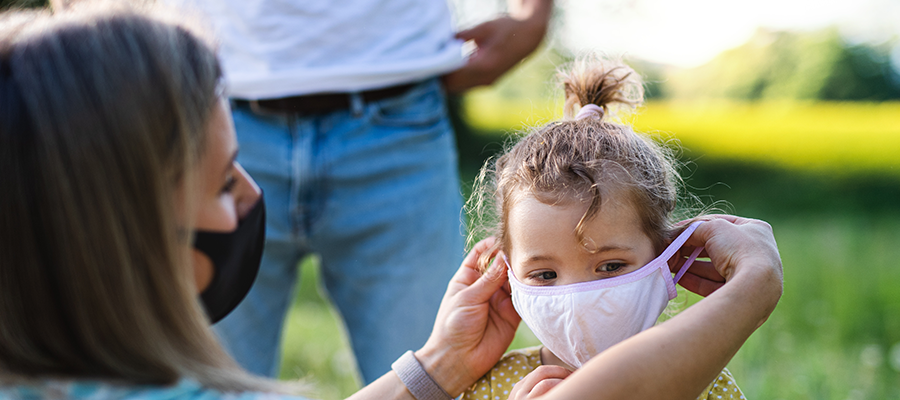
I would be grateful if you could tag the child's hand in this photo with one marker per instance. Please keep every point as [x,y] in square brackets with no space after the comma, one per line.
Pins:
[538,382]
[474,326]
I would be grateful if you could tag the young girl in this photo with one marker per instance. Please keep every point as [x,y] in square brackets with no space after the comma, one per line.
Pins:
[583,210]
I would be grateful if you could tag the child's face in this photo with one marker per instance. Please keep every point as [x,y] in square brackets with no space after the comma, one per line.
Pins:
[546,252]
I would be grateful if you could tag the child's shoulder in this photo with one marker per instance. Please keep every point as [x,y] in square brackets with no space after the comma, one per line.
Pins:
[512,367]
[531,355]
[723,387]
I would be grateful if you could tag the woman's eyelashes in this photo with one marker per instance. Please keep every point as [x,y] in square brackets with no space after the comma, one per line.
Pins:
[230,182]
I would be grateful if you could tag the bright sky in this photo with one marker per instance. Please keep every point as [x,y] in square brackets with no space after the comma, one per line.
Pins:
[691,32]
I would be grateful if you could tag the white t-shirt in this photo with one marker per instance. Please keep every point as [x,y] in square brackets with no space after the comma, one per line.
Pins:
[279,48]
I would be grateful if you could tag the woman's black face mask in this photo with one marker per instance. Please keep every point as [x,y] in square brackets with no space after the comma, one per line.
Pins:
[235,257]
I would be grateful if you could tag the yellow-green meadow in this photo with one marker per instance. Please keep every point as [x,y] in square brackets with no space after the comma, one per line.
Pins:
[833,137]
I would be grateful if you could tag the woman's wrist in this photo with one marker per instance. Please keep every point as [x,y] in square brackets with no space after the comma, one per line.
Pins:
[759,284]
[418,381]
[444,369]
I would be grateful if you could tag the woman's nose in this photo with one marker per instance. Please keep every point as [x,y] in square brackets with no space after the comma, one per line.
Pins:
[246,192]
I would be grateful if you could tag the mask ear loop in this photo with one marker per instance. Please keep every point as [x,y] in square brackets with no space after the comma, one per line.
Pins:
[687,264]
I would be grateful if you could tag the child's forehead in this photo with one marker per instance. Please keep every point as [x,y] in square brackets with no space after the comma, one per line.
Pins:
[536,224]
[616,204]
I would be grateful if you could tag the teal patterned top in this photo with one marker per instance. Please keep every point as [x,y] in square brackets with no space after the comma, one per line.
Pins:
[186,389]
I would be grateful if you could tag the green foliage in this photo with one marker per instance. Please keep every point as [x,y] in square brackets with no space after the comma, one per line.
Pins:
[789,65]
[782,65]
[770,192]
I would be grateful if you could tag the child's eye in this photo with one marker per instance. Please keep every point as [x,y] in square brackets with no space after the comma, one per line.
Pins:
[548,275]
[542,276]
[611,267]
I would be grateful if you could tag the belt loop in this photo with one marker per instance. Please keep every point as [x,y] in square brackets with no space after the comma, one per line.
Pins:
[356,104]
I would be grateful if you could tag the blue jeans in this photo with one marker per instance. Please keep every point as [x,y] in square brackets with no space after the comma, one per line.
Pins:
[374,191]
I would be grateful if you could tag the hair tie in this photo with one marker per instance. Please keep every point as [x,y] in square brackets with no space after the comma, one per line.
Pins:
[592,111]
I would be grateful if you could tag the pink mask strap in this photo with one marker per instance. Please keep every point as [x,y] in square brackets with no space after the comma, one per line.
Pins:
[687,264]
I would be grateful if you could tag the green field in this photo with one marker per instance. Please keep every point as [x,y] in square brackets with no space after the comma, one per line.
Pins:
[836,332]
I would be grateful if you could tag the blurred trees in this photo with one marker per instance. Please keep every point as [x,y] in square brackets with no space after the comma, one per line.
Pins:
[816,65]
[773,65]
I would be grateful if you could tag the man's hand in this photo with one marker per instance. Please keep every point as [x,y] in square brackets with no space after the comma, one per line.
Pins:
[501,44]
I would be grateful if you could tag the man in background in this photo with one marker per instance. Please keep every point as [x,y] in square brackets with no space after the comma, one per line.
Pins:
[340,112]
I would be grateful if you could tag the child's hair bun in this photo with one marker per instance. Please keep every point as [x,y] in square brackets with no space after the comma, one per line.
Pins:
[601,82]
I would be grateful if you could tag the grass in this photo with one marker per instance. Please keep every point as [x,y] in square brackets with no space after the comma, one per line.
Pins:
[835,333]
[315,346]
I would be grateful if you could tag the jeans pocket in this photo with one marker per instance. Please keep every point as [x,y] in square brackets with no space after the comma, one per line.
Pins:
[421,107]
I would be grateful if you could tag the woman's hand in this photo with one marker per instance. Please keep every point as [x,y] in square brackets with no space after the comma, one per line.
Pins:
[730,242]
[474,326]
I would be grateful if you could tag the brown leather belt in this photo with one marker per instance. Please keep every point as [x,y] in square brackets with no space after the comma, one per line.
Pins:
[320,103]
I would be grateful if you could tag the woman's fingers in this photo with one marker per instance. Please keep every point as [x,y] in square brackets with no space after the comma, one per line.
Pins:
[538,382]
[701,286]
[471,260]
[485,286]
[702,269]
[727,239]
[468,272]
[702,277]
[475,324]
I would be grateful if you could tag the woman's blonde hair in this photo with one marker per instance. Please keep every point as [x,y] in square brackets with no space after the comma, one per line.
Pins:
[582,160]
[102,118]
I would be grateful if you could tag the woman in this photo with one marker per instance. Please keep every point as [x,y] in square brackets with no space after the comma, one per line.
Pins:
[117,166]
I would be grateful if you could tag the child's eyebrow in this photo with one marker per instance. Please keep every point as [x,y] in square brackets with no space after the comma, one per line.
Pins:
[614,247]
[537,258]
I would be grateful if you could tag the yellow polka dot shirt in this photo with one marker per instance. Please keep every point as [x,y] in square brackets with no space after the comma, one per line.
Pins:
[498,382]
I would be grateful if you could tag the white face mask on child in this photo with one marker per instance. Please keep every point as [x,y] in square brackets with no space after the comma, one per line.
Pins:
[580,320]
